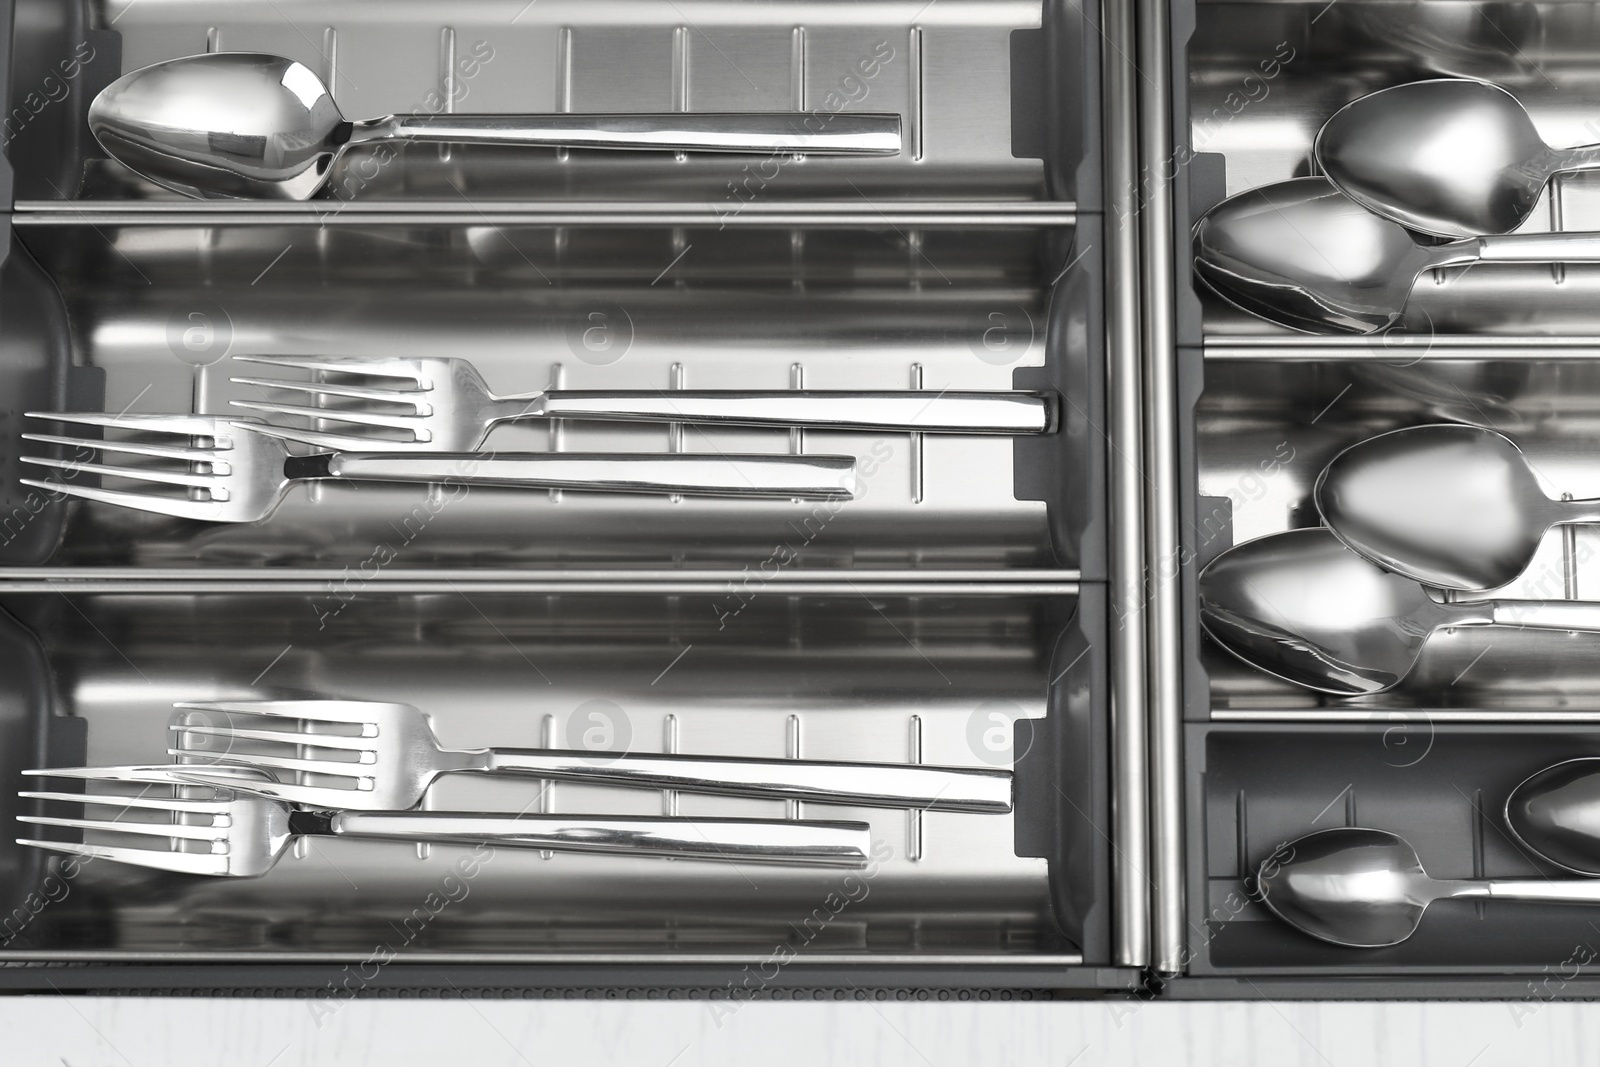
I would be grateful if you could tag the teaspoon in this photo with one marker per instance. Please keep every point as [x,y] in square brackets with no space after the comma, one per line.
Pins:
[250,125]
[1450,156]
[1367,888]
[1452,506]
[1302,607]
[1303,255]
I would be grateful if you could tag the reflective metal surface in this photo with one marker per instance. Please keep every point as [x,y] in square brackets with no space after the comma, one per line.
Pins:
[440,404]
[249,124]
[1457,507]
[828,678]
[158,309]
[1367,889]
[1451,157]
[946,72]
[239,469]
[1303,255]
[1303,607]
[1556,813]
[375,755]
[219,826]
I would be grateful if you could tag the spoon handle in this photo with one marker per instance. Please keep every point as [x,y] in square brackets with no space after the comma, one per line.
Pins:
[1579,157]
[1576,247]
[1565,891]
[1545,614]
[841,133]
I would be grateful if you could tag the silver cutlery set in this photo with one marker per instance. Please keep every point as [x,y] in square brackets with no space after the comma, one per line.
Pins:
[358,769]
[1420,524]
[1046,513]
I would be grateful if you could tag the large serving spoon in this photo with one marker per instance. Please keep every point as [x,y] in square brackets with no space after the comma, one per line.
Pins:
[1451,157]
[1303,607]
[1452,506]
[1367,889]
[1556,813]
[1303,255]
[251,125]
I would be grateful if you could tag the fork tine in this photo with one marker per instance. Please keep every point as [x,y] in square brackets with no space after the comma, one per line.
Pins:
[138,474]
[202,510]
[184,862]
[147,829]
[286,737]
[340,768]
[377,368]
[190,807]
[354,392]
[132,448]
[316,796]
[359,712]
[186,425]
[332,441]
[360,418]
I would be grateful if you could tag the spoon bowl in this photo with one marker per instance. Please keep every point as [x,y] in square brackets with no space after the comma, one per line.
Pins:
[1303,607]
[1350,886]
[1302,254]
[224,125]
[1449,156]
[1457,507]
[1555,812]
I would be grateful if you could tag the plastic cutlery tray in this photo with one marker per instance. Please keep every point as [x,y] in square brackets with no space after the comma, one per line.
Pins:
[959,600]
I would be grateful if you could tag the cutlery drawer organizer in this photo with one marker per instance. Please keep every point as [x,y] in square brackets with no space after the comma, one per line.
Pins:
[996,97]
[148,315]
[1265,409]
[951,900]
[953,613]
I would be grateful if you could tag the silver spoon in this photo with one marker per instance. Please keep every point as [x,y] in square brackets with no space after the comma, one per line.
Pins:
[1452,506]
[1303,255]
[1303,607]
[1367,889]
[1451,157]
[1556,813]
[251,125]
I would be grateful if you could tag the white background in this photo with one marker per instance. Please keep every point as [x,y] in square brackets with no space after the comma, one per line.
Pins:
[53,1031]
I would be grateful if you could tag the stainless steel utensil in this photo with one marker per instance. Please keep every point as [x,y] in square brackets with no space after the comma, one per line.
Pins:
[249,125]
[442,404]
[1303,607]
[1367,889]
[237,833]
[387,757]
[1452,506]
[241,468]
[1301,254]
[1450,157]
[1555,812]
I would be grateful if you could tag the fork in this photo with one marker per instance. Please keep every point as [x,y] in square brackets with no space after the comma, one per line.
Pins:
[238,469]
[237,833]
[442,404]
[394,758]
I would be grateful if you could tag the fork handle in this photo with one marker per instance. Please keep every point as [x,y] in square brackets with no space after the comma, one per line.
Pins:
[877,785]
[796,843]
[760,476]
[895,411]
